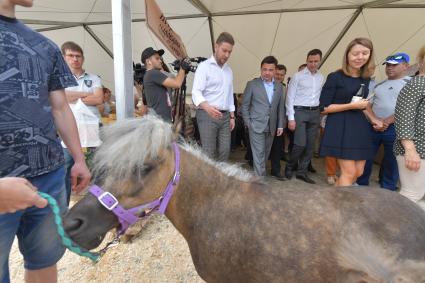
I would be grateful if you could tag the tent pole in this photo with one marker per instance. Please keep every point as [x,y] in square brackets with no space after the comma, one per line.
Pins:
[58,27]
[201,7]
[99,41]
[378,3]
[210,24]
[341,35]
[123,72]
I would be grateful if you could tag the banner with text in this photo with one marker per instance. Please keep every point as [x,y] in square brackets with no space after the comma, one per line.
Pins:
[158,24]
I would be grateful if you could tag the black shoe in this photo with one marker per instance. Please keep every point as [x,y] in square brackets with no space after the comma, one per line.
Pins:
[306,179]
[279,177]
[311,168]
[288,173]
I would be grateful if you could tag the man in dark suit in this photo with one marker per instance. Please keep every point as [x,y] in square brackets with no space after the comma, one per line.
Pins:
[263,113]
[276,152]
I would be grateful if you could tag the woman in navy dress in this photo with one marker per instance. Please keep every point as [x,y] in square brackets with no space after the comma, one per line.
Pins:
[347,133]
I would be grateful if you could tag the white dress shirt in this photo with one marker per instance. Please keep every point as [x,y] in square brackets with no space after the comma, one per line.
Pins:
[303,90]
[213,84]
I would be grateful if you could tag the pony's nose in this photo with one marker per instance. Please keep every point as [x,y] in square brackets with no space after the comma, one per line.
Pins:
[72,225]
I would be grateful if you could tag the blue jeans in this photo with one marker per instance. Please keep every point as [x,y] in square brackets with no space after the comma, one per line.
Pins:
[389,167]
[35,228]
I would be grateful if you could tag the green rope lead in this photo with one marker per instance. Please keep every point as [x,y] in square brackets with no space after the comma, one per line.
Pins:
[66,241]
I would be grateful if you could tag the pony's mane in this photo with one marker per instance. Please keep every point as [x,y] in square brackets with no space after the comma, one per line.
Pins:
[232,170]
[129,143]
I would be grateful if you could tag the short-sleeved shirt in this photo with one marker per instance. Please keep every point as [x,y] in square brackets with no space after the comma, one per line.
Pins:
[31,66]
[157,96]
[88,83]
[386,93]
[410,116]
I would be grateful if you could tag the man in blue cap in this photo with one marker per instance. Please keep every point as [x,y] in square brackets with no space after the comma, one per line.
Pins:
[381,110]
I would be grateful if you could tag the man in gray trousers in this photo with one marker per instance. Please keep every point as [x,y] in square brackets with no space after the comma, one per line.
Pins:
[263,112]
[212,94]
[302,108]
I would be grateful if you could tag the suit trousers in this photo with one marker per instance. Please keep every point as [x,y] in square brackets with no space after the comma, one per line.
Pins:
[276,154]
[306,130]
[261,144]
[215,134]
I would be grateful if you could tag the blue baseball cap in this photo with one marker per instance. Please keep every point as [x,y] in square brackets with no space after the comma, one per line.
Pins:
[397,58]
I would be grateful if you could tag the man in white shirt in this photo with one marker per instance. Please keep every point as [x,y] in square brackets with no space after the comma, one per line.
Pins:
[89,90]
[302,108]
[212,93]
[382,107]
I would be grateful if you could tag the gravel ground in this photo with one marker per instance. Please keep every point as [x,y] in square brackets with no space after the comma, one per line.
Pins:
[160,254]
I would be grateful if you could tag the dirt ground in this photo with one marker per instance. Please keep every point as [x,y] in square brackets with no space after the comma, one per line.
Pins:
[159,254]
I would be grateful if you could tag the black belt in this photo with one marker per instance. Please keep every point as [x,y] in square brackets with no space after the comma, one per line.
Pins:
[306,107]
[221,111]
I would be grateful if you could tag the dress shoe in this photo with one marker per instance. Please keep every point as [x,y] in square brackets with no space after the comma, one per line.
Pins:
[288,173]
[311,168]
[279,177]
[306,179]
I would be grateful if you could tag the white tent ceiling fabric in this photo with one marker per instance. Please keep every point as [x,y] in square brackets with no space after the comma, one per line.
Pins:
[286,29]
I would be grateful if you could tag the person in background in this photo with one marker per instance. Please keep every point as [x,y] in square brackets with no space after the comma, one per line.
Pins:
[107,106]
[330,161]
[276,152]
[382,107]
[89,90]
[212,94]
[156,83]
[263,113]
[302,108]
[410,135]
[347,135]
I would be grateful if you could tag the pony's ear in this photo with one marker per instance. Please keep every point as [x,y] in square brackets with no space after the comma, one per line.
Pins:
[177,127]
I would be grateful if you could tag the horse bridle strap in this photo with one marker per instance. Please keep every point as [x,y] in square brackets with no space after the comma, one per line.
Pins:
[128,217]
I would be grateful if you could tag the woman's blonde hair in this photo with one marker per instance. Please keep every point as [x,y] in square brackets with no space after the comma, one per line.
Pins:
[368,69]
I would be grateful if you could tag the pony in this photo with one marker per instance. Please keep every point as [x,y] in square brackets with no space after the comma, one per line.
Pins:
[239,228]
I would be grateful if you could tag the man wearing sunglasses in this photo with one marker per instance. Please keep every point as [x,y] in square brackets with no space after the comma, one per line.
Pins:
[382,108]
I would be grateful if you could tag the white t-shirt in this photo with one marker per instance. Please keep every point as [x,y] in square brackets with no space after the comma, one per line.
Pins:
[88,83]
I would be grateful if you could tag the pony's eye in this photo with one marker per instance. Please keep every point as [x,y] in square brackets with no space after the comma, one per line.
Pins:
[147,169]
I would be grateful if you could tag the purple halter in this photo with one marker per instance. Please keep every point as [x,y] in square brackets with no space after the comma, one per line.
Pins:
[127,217]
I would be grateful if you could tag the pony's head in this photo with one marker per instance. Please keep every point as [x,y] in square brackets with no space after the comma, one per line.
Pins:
[134,163]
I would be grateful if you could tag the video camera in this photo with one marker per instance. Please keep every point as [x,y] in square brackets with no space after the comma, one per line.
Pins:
[139,72]
[193,67]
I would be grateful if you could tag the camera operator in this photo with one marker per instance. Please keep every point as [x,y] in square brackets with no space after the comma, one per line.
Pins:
[156,83]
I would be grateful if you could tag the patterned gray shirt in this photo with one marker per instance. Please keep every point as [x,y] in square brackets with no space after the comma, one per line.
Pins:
[31,66]
[410,116]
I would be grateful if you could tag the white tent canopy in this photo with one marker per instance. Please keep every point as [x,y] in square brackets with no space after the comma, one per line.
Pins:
[287,29]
